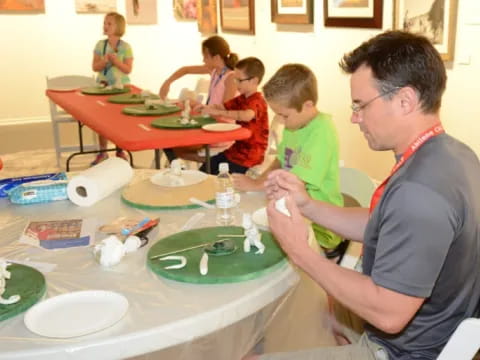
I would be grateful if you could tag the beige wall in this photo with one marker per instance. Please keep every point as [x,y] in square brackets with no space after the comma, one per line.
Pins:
[61,42]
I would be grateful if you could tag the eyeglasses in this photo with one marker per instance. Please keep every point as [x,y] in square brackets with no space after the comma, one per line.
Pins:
[357,107]
[241,80]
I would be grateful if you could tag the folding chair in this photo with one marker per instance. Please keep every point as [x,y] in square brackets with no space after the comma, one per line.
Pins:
[59,116]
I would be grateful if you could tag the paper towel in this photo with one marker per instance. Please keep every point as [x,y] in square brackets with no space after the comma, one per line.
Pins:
[99,181]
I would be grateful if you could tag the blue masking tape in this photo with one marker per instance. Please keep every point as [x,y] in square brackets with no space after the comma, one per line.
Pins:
[39,192]
[8,184]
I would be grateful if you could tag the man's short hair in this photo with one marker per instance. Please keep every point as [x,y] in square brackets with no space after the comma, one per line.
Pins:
[292,85]
[252,67]
[120,24]
[399,59]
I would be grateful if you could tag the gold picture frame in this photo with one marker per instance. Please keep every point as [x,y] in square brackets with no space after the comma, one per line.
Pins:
[435,19]
[238,16]
[292,11]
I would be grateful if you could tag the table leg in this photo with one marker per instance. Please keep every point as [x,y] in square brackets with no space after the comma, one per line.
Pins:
[157,158]
[207,159]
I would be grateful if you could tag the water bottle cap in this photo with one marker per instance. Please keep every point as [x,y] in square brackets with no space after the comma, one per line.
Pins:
[223,167]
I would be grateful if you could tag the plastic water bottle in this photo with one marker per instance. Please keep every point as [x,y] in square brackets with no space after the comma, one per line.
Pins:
[224,196]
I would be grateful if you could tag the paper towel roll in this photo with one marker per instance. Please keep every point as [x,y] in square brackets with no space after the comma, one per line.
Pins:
[99,181]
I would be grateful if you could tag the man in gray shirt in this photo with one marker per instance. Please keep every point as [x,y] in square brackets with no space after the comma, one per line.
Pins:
[421,235]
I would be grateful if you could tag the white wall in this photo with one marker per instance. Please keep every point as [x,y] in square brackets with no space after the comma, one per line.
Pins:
[61,41]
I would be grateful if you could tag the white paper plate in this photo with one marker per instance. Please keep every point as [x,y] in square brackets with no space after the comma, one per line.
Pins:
[219,127]
[189,177]
[260,218]
[75,314]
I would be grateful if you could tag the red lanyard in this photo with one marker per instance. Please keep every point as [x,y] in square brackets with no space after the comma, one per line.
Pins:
[435,130]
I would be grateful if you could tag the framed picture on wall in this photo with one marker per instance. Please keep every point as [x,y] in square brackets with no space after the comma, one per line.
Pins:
[22,5]
[207,16]
[96,6]
[353,13]
[141,11]
[185,9]
[238,16]
[435,19]
[292,11]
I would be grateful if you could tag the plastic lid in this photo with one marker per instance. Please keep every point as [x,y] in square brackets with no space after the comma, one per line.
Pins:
[223,167]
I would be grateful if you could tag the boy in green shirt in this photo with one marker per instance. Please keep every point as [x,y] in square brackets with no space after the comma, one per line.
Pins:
[309,147]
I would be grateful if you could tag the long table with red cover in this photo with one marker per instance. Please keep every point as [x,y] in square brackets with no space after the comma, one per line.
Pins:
[133,133]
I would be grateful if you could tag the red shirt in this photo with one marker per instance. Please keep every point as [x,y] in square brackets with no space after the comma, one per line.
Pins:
[251,151]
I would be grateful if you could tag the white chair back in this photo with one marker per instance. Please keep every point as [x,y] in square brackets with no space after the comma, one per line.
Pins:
[464,343]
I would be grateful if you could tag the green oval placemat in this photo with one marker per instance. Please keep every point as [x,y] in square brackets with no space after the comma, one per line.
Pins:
[27,282]
[173,122]
[95,90]
[131,98]
[239,266]
[143,110]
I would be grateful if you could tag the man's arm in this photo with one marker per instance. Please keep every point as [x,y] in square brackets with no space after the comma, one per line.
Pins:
[385,309]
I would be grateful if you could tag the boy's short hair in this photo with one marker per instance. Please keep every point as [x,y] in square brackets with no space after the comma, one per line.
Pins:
[120,23]
[292,85]
[252,67]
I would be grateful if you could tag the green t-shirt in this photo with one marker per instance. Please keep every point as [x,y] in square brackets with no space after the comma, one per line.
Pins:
[311,153]
[111,73]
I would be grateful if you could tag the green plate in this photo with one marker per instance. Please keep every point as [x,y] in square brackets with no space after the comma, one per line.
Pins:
[239,266]
[26,282]
[174,122]
[144,110]
[95,90]
[131,98]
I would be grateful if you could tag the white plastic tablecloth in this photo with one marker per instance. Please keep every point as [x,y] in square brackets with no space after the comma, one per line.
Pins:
[182,321]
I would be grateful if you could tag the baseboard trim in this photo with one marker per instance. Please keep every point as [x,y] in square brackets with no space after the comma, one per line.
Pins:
[24,120]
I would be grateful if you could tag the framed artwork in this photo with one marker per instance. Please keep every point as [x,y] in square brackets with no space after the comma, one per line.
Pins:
[185,9]
[353,13]
[95,6]
[292,11]
[435,19]
[141,11]
[207,16]
[238,16]
[22,5]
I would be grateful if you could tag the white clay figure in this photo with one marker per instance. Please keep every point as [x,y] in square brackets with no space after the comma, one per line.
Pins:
[4,275]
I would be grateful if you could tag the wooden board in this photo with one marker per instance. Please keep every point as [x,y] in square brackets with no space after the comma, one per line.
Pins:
[146,195]
[173,122]
[95,90]
[143,110]
[131,98]
[26,282]
[239,266]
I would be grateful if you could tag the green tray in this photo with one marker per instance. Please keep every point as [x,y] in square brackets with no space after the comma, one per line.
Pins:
[131,98]
[142,110]
[239,266]
[26,282]
[174,122]
[95,90]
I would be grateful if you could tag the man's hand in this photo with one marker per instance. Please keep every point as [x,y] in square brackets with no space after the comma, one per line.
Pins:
[279,183]
[291,231]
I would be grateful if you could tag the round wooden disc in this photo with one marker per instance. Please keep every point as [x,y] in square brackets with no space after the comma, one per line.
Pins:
[146,195]
[238,266]
[27,282]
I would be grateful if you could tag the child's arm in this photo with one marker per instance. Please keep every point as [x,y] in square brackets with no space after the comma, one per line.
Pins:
[237,115]
[194,69]
[125,66]
[246,183]
[98,63]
